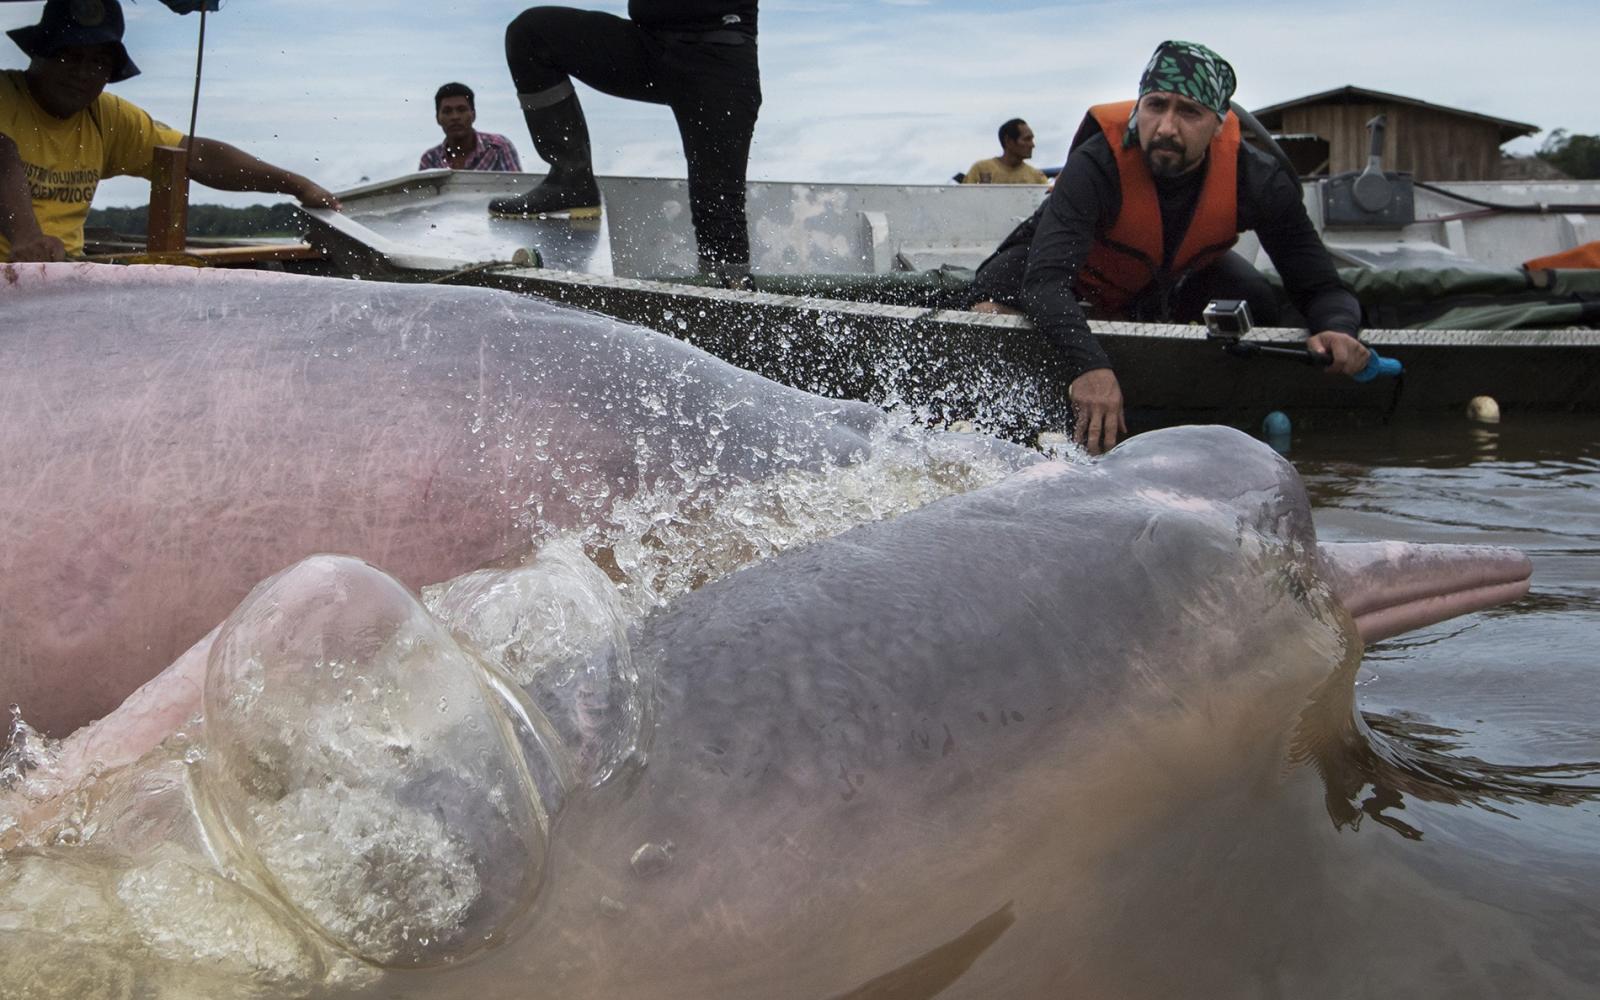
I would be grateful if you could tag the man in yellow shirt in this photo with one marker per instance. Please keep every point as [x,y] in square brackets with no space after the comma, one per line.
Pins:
[1016,144]
[60,133]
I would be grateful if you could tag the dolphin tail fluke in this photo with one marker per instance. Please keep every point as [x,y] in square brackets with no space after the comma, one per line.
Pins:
[1394,587]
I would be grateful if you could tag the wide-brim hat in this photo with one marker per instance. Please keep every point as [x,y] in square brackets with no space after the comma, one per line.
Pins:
[77,22]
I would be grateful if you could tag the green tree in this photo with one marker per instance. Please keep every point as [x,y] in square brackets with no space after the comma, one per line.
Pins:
[1577,156]
[208,220]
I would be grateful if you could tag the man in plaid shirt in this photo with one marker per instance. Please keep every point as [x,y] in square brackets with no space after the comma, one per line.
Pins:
[463,148]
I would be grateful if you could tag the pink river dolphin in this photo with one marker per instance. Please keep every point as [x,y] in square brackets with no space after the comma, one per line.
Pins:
[1075,732]
[173,437]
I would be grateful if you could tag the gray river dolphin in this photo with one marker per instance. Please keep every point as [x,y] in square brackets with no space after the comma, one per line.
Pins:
[1082,732]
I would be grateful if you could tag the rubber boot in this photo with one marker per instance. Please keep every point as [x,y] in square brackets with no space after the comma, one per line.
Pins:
[561,138]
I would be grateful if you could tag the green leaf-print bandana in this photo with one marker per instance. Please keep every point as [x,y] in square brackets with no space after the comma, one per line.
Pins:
[1189,69]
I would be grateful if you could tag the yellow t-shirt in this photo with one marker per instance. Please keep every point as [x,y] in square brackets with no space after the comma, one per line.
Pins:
[993,171]
[64,159]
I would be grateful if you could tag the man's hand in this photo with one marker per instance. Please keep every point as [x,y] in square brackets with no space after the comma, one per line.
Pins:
[38,247]
[1097,410]
[314,195]
[1349,354]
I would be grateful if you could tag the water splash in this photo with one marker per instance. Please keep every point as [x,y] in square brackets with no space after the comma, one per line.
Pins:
[670,539]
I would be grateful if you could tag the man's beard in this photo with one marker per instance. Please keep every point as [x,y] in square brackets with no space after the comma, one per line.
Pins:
[1167,167]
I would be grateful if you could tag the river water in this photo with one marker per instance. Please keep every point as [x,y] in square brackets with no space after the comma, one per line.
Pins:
[1501,703]
[1516,685]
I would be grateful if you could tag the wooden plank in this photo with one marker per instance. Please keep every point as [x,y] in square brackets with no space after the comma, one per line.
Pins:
[169,201]
[234,256]
[255,253]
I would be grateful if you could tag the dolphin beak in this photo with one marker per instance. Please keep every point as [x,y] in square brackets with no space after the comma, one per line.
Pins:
[1394,587]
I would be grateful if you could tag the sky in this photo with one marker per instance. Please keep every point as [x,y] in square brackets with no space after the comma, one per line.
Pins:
[902,91]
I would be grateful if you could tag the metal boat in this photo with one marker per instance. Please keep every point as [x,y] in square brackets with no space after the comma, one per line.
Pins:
[854,282]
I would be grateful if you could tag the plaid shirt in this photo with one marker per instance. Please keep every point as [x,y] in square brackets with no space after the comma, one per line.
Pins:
[494,152]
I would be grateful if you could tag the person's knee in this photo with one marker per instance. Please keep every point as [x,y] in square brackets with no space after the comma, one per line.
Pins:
[1232,277]
[999,279]
[1252,286]
[527,30]
[1264,306]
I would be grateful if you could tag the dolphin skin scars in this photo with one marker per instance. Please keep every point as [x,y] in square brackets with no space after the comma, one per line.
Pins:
[1082,729]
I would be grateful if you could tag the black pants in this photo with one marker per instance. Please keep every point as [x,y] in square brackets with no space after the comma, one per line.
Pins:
[999,279]
[711,81]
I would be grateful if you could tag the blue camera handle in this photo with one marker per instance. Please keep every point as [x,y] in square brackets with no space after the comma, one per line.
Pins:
[1378,366]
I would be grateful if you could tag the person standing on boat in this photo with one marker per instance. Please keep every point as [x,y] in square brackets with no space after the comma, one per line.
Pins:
[1010,167]
[698,57]
[60,133]
[465,148]
[1139,226]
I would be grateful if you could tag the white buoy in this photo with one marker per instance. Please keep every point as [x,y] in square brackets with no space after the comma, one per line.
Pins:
[1484,410]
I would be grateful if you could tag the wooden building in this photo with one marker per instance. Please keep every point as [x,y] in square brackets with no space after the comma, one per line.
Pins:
[1432,142]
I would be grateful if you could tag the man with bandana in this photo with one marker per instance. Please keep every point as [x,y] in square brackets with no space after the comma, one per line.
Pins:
[1139,226]
[60,133]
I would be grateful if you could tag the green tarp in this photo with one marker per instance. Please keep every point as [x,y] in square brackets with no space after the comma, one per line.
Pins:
[1454,299]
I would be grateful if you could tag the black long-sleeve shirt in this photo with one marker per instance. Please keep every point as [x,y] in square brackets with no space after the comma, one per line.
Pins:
[1085,202]
[694,15]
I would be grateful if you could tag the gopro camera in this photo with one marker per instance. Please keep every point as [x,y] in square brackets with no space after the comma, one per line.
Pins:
[1227,319]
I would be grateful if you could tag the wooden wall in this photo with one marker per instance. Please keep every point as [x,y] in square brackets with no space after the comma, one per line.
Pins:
[1430,144]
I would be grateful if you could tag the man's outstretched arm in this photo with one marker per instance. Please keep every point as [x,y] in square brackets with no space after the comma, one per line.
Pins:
[228,168]
[1306,267]
[1083,195]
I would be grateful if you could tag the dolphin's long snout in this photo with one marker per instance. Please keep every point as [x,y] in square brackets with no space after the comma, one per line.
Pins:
[1394,587]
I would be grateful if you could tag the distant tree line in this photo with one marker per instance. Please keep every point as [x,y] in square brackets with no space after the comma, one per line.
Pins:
[1577,156]
[208,220]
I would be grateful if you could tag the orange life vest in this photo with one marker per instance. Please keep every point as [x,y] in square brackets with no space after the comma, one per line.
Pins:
[1127,258]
